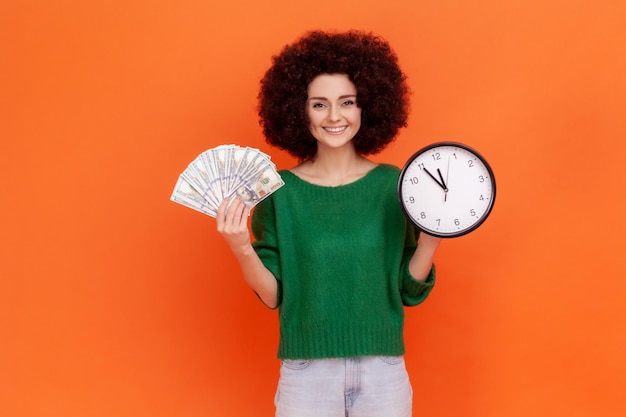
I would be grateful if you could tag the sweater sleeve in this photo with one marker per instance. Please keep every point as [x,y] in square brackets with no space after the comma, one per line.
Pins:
[413,292]
[266,240]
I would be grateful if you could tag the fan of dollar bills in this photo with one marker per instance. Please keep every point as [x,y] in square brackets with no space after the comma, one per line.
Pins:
[225,172]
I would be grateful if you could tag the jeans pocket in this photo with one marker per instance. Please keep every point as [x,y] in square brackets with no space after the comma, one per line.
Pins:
[296,364]
[392,360]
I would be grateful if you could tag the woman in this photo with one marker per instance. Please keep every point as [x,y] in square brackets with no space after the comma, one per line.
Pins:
[333,251]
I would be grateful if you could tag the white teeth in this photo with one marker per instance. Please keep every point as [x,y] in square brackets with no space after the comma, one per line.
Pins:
[335,129]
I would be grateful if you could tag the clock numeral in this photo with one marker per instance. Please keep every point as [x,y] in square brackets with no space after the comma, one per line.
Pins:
[481,178]
[457,222]
[438,222]
[423,215]
[481,198]
[436,156]
[413,180]
[472,212]
[470,163]
[421,166]
[454,154]
[411,200]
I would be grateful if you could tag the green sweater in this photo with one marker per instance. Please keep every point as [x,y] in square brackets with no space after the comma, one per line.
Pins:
[340,255]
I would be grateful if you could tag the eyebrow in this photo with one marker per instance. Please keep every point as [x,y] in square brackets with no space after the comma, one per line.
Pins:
[340,97]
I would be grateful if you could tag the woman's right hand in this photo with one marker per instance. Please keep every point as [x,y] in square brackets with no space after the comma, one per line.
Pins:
[232,224]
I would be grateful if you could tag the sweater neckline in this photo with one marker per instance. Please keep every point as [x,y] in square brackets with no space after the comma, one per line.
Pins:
[328,187]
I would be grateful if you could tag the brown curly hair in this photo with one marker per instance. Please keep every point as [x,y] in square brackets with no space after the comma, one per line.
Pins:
[369,62]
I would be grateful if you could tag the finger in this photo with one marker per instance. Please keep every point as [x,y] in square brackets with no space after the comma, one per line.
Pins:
[233,213]
[243,216]
[220,216]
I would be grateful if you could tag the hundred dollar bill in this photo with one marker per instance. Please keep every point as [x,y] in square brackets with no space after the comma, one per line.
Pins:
[212,171]
[220,159]
[238,164]
[207,193]
[208,184]
[258,187]
[188,196]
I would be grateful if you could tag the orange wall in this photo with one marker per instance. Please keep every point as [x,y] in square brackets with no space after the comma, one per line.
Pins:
[115,301]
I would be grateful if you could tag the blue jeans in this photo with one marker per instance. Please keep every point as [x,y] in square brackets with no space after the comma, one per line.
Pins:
[370,386]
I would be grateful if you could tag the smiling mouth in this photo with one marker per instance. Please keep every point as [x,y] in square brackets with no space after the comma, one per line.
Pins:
[339,129]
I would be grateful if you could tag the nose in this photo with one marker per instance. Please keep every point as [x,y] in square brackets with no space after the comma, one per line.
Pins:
[334,113]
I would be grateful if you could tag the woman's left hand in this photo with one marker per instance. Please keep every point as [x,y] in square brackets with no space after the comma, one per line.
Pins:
[422,260]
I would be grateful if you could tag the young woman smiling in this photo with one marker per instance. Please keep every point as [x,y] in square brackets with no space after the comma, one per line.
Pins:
[332,250]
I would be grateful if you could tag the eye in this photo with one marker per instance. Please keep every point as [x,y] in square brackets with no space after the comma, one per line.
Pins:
[348,103]
[318,105]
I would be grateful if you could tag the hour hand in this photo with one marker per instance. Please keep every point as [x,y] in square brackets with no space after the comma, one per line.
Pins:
[443,183]
[443,186]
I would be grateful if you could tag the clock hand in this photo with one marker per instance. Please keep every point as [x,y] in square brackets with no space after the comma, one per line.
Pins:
[443,183]
[435,179]
[445,187]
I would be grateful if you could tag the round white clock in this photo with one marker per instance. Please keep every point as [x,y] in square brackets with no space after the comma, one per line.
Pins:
[447,189]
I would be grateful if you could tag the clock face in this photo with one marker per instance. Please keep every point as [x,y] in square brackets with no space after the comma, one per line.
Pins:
[447,189]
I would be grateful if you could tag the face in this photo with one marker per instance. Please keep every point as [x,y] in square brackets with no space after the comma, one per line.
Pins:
[245,194]
[334,117]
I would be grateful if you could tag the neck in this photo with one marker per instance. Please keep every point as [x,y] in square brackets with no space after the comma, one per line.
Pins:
[334,167]
[335,161]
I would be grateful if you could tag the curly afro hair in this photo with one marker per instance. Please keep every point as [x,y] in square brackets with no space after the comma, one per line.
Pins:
[369,62]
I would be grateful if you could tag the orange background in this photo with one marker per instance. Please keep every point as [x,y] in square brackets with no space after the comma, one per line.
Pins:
[115,301]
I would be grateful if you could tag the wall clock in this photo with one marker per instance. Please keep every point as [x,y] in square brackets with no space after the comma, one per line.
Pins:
[447,189]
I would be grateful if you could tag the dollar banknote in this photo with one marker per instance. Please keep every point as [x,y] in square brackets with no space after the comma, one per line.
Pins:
[226,171]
